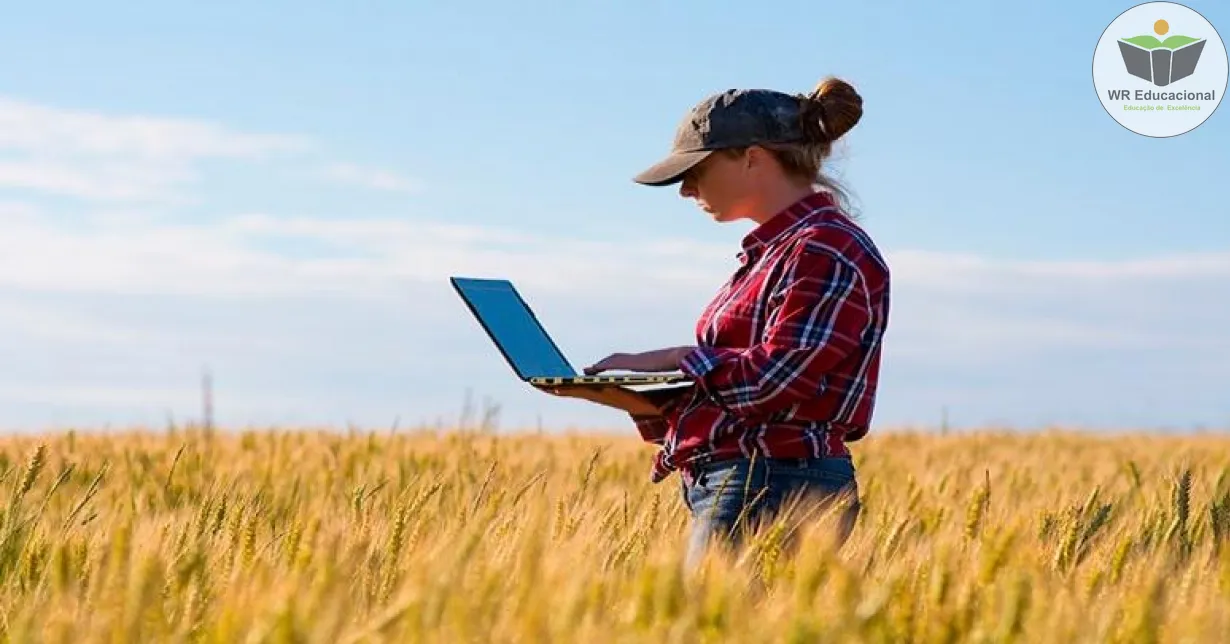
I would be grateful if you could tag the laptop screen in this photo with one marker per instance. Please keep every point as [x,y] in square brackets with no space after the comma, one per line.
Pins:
[513,327]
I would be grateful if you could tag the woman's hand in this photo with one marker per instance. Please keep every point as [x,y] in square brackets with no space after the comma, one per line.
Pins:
[649,361]
[615,396]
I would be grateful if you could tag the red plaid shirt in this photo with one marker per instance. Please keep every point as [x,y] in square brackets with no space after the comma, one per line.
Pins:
[788,351]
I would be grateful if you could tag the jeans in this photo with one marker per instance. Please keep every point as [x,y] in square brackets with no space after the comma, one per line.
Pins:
[760,490]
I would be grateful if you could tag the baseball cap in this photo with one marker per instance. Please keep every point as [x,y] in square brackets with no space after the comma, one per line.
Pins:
[730,119]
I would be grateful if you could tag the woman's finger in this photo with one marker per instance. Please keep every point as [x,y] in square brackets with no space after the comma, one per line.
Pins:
[609,362]
[597,367]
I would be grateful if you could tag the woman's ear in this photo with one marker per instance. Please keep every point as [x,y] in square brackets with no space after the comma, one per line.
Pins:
[754,157]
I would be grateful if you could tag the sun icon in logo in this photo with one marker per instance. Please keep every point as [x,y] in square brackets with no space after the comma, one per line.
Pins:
[1161,27]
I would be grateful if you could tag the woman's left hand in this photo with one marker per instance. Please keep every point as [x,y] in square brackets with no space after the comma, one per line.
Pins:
[649,361]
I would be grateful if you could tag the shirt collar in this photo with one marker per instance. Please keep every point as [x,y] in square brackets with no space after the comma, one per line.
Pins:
[785,220]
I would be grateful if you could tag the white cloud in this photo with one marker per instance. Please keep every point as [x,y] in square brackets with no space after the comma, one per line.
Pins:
[102,181]
[101,396]
[374,178]
[47,324]
[946,270]
[18,212]
[966,308]
[116,158]
[112,158]
[59,132]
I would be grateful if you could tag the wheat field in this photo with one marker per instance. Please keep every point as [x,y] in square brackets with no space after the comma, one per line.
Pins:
[353,536]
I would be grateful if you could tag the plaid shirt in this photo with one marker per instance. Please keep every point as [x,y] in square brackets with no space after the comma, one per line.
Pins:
[788,351]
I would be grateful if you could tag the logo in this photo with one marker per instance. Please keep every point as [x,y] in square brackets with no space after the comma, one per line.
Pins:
[1161,62]
[1160,45]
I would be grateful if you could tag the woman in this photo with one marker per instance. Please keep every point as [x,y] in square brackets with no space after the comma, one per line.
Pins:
[788,352]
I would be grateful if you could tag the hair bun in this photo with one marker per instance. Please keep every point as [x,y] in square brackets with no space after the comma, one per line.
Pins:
[834,106]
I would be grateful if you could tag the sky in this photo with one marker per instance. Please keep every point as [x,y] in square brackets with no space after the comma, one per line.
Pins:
[277,192]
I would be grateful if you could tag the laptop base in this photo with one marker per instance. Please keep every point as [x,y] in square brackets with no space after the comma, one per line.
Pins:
[633,379]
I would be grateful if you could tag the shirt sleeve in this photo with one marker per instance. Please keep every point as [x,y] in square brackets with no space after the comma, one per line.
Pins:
[823,309]
[651,428]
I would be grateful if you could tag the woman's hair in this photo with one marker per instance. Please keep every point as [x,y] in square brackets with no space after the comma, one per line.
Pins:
[827,113]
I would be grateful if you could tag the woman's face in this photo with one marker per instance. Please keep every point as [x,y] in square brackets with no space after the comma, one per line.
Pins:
[721,186]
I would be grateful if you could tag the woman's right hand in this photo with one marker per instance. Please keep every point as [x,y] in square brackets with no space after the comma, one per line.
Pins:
[615,396]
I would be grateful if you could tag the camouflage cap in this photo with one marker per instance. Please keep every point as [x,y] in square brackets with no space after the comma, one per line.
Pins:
[729,119]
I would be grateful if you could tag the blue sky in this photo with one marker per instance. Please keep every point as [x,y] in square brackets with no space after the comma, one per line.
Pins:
[279,191]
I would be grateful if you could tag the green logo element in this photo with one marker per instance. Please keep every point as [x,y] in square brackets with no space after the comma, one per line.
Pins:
[1161,62]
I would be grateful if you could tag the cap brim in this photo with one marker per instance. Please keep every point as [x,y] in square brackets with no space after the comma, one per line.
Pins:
[671,169]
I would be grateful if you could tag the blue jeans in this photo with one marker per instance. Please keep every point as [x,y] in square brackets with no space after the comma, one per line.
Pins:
[759,489]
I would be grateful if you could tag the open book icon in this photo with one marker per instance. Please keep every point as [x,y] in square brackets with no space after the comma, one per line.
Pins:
[1161,62]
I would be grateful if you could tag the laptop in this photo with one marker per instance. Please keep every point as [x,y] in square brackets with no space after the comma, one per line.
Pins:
[525,344]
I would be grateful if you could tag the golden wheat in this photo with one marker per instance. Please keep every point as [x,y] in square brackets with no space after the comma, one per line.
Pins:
[312,536]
